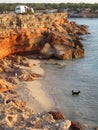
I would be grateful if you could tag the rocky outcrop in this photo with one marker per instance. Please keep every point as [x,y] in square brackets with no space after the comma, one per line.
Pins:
[14,69]
[62,46]
[14,118]
[14,114]
[49,35]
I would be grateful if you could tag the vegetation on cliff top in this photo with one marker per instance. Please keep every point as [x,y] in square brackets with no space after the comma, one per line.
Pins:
[42,6]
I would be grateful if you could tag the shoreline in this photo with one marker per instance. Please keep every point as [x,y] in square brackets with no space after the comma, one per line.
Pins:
[29,100]
[60,39]
[32,93]
[16,89]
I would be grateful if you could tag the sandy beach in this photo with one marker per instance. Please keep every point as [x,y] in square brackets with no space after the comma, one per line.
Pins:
[32,92]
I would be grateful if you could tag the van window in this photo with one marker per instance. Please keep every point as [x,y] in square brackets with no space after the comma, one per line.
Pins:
[18,8]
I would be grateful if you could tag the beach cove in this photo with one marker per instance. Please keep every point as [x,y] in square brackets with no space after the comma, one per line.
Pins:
[24,102]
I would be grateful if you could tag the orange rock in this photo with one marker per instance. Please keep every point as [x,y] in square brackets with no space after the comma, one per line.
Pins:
[4,85]
[19,103]
[30,65]
[10,120]
[15,38]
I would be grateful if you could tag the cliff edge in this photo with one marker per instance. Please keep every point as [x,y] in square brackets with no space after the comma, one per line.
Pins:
[48,35]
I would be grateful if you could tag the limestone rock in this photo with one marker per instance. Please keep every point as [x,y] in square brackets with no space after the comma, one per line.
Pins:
[62,46]
[57,115]
[65,125]
[4,85]
[23,34]
[47,51]
[10,120]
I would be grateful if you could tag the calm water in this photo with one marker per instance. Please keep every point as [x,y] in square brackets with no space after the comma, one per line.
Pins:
[81,74]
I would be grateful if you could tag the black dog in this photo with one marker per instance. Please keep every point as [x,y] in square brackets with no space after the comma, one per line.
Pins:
[75,93]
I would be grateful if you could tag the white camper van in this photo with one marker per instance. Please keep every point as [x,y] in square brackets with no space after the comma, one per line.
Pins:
[20,9]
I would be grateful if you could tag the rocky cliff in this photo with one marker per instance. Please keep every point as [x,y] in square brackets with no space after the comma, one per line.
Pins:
[48,35]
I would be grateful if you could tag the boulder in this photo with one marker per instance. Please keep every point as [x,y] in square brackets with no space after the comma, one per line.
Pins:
[78,53]
[62,46]
[76,126]
[63,52]
[47,51]
[57,115]
[65,125]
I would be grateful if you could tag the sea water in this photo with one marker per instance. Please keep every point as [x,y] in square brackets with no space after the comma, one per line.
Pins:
[78,74]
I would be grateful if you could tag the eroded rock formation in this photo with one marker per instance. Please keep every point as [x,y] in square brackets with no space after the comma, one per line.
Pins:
[49,35]
[14,113]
